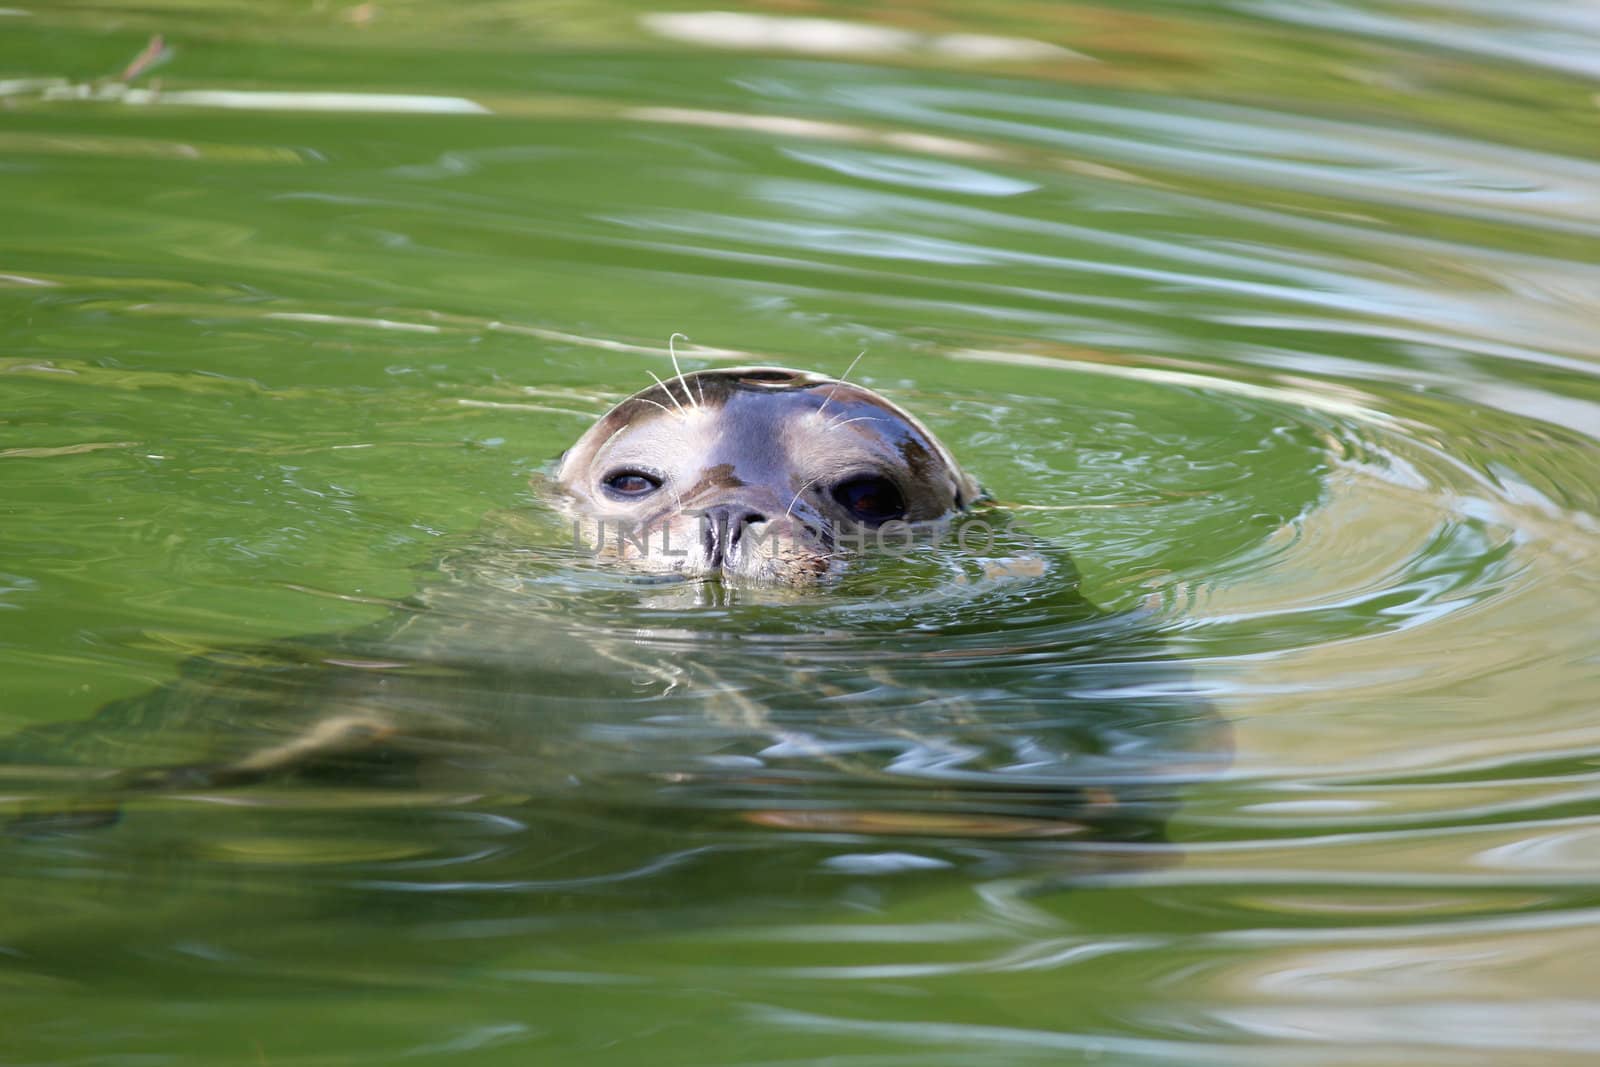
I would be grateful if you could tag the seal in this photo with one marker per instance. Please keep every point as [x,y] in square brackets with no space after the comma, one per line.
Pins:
[758,474]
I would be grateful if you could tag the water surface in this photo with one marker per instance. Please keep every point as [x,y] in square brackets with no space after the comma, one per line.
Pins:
[1279,318]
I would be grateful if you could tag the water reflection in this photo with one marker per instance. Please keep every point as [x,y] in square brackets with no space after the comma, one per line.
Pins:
[1553,35]
[539,742]
[837,37]
[1278,314]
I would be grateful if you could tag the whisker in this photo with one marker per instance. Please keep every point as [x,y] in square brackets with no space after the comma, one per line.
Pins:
[652,403]
[672,350]
[789,511]
[834,424]
[840,381]
[621,429]
[669,393]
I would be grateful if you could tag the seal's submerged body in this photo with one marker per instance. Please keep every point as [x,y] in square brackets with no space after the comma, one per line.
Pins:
[958,706]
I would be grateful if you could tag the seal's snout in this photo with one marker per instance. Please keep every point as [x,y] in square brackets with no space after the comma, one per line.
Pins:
[724,528]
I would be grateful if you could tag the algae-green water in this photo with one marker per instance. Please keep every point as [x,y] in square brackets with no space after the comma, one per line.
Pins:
[1278,317]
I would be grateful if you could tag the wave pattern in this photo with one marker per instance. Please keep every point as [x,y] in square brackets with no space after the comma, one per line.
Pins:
[1277,318]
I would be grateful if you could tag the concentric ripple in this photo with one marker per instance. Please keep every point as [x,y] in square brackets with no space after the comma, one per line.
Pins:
[1266,734]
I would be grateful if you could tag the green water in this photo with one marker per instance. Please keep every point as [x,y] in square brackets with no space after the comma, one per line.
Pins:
[1279,314]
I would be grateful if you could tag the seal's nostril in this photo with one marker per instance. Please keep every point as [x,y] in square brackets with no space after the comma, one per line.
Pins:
[723,528]
[749,518]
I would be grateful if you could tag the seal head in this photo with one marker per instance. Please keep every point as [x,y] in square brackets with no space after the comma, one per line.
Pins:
[755,473]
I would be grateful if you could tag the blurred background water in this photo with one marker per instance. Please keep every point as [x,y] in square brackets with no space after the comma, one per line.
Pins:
[1281,313]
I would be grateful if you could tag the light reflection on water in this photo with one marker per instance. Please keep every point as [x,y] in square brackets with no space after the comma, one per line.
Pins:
[1279,314]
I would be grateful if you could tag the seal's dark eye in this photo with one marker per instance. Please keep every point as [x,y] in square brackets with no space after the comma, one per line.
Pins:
[632,483]
[871,499]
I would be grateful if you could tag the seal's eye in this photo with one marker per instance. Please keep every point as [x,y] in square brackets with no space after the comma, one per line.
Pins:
[871,499]
[632,483]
